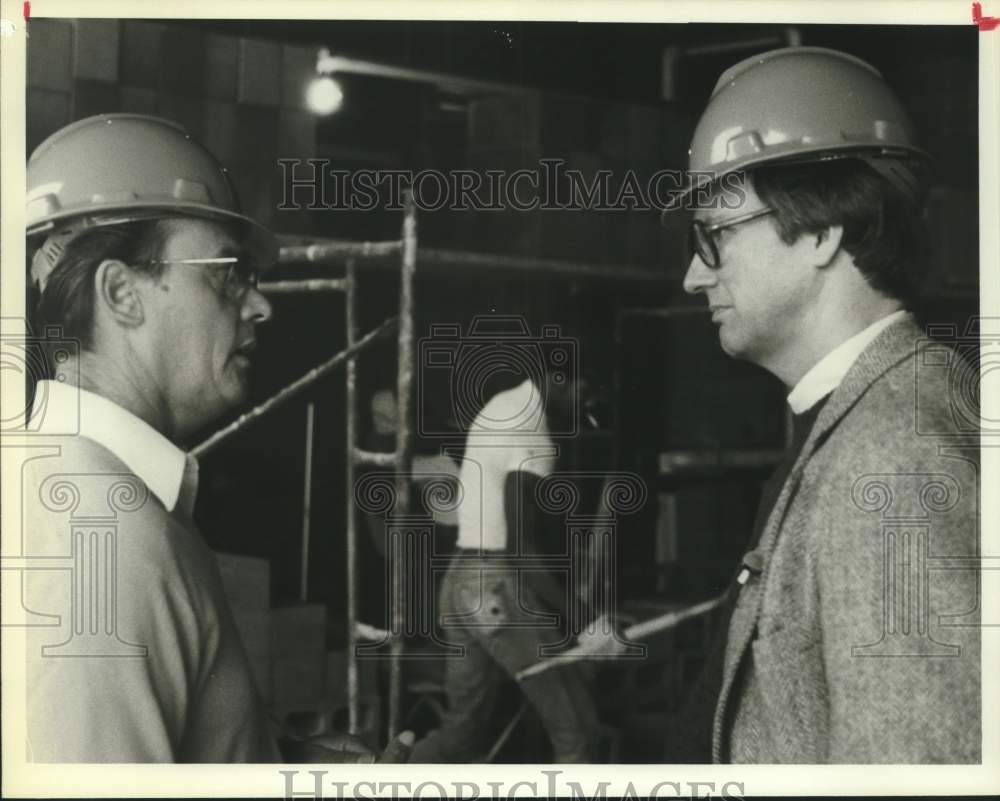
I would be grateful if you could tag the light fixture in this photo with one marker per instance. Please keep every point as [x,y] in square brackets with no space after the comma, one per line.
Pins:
[443,81]
[324,94]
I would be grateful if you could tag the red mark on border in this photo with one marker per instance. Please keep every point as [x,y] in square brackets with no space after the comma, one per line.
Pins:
[27,10]
[984,23]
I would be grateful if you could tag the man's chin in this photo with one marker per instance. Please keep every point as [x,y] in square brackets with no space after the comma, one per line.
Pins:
[731,346]
[240,393]
[239,372]
[237,389]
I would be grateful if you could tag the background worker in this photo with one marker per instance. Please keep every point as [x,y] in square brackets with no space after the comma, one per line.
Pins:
[496,605]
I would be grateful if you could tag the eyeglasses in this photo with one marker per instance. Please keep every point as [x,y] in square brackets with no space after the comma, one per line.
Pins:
[701,239]
[241,274]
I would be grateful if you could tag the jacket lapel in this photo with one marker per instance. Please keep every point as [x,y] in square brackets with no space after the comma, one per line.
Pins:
[894,344]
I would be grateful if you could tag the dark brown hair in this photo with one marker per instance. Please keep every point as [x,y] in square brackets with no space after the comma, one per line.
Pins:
[883,228]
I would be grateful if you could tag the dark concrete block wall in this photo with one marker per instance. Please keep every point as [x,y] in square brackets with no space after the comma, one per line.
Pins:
[244,98]
[588,135]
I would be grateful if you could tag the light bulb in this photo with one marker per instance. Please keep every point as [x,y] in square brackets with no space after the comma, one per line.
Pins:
[324,95]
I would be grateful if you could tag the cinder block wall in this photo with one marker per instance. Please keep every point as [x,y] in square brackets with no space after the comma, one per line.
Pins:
[244,98]
[589,135]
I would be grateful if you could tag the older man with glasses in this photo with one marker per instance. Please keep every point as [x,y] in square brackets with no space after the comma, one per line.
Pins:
[146,272]
[842,645]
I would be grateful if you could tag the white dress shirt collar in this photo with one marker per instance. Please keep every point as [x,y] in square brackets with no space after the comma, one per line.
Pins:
[826,375]
[61,409]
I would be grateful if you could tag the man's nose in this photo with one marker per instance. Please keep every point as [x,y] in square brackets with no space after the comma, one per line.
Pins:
[256,307]
[698,276]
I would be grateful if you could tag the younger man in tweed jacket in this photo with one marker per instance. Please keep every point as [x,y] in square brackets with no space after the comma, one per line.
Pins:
[854,633]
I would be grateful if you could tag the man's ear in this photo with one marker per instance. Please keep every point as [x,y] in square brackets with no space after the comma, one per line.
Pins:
[824,246]
[116,290]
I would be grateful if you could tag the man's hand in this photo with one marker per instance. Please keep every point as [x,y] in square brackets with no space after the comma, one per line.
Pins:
[341,748]
[399,748]
[600,639]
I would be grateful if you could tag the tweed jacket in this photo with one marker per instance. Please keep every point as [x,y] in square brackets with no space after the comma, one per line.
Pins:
[857,641]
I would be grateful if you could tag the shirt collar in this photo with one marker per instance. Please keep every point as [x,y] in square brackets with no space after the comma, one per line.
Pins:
[62,409]
[826,375]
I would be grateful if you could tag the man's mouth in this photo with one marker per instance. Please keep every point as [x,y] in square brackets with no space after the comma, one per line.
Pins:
[717,311]
[245,351]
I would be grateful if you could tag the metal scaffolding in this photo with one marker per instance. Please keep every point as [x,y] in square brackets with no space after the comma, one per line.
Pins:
[401,460]
[327,253]
[324,252]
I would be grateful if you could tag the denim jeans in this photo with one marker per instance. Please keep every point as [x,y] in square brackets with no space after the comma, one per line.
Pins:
[502,628]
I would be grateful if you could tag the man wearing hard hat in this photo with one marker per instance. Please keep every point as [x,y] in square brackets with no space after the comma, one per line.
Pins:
[144,262]
[148,272]
[850,639]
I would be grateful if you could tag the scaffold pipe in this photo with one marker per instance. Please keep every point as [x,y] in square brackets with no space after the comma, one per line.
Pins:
[293,389]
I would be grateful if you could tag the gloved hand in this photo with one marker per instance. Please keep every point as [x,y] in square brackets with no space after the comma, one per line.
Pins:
[600,639]
[399,748]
